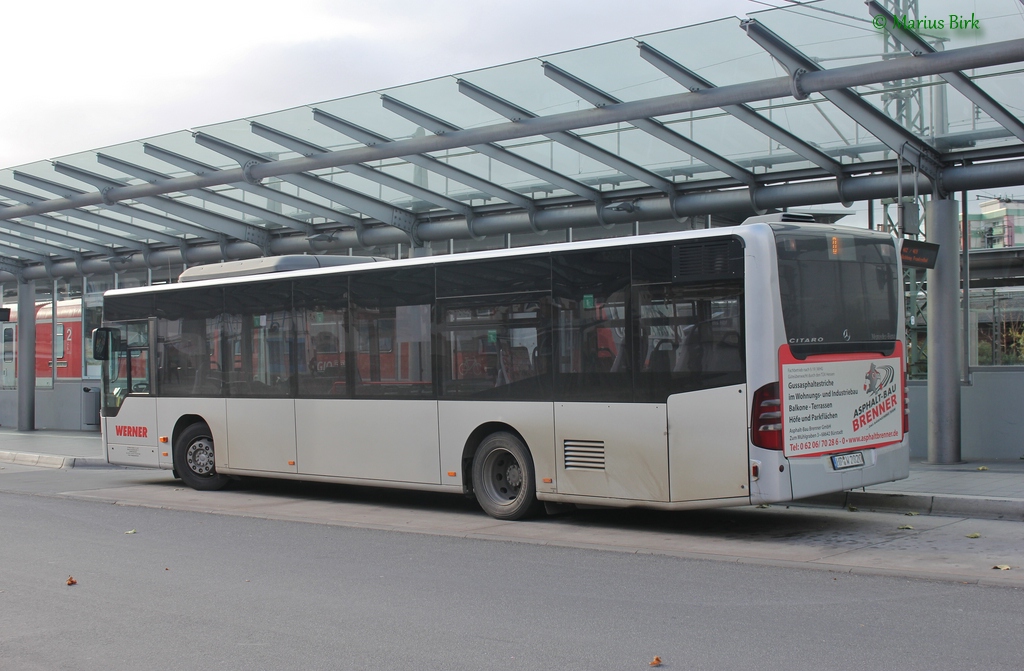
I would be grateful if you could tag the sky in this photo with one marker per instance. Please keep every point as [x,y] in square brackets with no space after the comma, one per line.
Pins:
[85,74]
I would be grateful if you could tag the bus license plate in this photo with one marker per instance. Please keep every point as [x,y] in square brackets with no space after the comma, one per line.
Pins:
[849,460]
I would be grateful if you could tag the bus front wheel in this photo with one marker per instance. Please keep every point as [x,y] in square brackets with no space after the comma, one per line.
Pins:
[503,478]
[193,459]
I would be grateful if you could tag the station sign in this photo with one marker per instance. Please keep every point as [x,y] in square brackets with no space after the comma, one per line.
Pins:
[917,254]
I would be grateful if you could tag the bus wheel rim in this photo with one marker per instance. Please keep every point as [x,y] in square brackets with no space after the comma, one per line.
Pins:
[503,477]
[199,457]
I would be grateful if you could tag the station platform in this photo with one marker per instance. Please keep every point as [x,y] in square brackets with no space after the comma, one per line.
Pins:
[977,489]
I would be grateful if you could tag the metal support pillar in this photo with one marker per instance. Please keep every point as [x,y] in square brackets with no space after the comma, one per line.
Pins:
[27,356]
[944,334]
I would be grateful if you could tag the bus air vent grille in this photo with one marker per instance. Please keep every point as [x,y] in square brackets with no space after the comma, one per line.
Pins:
[707,261]
[584,455]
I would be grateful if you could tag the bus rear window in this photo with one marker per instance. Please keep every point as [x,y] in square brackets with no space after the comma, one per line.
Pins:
[839,290]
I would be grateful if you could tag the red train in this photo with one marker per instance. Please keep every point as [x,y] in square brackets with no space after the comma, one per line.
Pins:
[61,348]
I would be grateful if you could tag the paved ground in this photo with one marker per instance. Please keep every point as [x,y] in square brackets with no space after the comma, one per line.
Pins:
[188,590]
[945,545]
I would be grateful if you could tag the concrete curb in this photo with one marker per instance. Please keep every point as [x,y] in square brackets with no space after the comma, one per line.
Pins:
[948,505]
[52,460]
[25,459]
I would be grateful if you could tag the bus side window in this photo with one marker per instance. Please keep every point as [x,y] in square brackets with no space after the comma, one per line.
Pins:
[391,325]
[496,347]
[691,337]
[188,334]
[257,344]
[592,334]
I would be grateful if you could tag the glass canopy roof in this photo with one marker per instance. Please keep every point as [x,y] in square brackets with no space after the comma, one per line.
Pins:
[767,141]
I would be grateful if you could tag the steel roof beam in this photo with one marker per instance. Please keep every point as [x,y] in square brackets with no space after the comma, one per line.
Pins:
[38,246]
[265,191]
[71,194]
[370,207]
[205,194]
[75,244]
[744,113]
[12,266]
[89,233]
[31,256]
[859,187]
[132,229]
[956,79]
[368,137]
[92,217]
[306,148]
[655,129]
[217,223]
[986,55]
[906,145]
[571,140]
[498,153]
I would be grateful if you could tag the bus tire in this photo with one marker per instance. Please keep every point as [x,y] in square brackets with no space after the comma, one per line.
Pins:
[503,478]
[193,459]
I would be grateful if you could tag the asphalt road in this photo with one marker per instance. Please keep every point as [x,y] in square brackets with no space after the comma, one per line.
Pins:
[229,589]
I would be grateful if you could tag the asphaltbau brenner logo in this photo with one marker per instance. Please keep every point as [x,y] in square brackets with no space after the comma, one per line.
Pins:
[880,385]
[877,379]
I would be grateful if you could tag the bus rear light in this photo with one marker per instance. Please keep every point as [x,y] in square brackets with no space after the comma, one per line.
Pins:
[766,418]
[755,470]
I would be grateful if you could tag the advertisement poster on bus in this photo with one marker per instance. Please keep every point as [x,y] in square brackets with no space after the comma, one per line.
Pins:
[841,403]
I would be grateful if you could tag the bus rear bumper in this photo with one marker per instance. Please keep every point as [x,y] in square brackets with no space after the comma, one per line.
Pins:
[811,476]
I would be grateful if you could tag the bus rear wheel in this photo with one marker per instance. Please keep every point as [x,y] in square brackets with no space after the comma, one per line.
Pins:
[193,459]
[503,478]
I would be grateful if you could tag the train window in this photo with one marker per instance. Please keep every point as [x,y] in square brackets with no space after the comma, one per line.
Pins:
[9,344]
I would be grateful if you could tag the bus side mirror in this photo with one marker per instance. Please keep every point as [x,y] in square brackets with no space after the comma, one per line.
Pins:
[105,341]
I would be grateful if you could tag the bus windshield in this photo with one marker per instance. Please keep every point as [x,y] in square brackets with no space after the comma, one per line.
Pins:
[839,290]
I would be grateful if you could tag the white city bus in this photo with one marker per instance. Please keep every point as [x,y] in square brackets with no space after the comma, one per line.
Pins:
[723,367]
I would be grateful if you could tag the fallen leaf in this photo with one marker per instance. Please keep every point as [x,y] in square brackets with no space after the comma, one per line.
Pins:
[656,661]
[130,532]
[167,569]
[852,509]
[982,468]
[1002,567]
[975,535]
[911,514]
[764,505]
[904,526]
[72,581]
